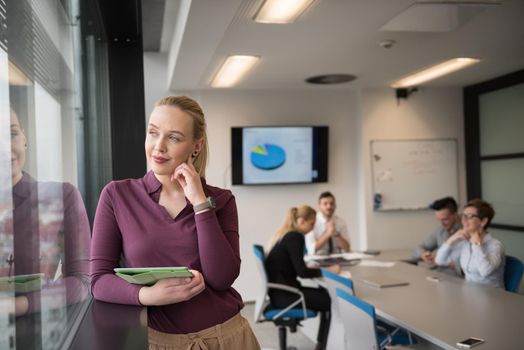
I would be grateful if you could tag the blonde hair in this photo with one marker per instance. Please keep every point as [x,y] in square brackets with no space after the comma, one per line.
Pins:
[290,223]
[192,108]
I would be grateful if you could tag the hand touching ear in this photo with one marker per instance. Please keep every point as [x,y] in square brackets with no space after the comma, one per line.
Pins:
[188,178]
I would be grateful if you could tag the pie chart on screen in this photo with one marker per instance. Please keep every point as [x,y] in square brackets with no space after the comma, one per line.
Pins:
[268,156]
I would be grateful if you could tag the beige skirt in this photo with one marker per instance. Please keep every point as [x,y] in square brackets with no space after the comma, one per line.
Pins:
[233,334]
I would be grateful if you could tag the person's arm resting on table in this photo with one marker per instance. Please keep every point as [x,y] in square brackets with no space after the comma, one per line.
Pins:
[443,257]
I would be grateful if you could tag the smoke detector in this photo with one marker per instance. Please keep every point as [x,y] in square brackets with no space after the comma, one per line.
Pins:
[387,44]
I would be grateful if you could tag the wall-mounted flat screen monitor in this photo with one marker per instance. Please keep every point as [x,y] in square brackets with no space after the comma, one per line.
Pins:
[264,155]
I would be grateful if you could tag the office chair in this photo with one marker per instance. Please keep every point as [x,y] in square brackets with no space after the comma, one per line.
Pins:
[360,323]
[288,317]
[333,282]
[513,273]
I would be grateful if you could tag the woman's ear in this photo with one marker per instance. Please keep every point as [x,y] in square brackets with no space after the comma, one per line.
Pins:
[484,222]
[197,148]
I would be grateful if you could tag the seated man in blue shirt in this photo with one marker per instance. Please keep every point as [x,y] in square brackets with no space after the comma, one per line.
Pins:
[446,213]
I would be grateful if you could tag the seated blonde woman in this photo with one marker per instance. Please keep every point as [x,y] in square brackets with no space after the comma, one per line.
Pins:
[285,262]
[482,257]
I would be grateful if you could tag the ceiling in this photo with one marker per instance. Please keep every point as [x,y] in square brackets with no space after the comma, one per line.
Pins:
[152,17]
[333,36]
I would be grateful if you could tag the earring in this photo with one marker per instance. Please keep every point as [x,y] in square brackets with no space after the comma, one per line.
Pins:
[25,145]
[195,154]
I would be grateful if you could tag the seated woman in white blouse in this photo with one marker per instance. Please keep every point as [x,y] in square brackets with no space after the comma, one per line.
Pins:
[482,257]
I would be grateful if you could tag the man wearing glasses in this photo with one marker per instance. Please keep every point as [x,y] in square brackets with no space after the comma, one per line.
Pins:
[446,213]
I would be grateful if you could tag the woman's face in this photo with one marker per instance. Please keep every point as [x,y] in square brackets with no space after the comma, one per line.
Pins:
[304,225]
[18,147]
[471,221]
[169,140]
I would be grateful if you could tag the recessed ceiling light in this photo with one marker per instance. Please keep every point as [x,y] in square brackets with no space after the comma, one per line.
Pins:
[435,72]
[327,79]
[281,11]
[233,70]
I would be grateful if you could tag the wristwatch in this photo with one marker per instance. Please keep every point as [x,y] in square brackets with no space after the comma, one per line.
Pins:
[209,203]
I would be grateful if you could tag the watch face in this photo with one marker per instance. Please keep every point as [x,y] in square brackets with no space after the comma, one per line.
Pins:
[212,202]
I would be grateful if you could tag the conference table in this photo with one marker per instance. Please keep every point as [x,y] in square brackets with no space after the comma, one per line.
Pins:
[445,311]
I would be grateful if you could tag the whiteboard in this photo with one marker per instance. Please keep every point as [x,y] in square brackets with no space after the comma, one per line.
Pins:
[411,174]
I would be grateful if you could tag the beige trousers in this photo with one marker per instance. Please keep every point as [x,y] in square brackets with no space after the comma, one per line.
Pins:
[233,334]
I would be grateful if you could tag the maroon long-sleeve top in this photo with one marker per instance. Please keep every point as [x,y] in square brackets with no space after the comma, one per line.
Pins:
[130,224]
[51,232]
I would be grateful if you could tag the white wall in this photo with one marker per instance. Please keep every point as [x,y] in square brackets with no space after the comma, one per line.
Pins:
[429,113]
[354,118]
[261,209]
[155,79]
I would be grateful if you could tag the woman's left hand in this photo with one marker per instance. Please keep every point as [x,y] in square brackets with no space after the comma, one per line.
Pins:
[188,178]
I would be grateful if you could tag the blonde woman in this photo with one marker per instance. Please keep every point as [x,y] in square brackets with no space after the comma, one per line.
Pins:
[285,262]
[55,247]
[172,217]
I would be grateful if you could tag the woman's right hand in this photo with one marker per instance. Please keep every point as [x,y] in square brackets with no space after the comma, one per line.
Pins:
[21,305]
[172,290]
[334,269]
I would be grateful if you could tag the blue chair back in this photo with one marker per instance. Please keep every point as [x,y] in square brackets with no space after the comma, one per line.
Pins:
[259,252]
[513,273]
[359,321]
[261,300]
[261,303]
[333,281]
[339,281]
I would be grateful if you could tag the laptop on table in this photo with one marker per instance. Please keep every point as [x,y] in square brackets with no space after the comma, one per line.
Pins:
[383,281]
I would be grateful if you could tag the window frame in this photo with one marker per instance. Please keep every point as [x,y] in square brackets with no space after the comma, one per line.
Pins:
[472,136]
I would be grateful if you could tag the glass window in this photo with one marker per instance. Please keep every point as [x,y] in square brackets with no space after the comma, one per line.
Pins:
[502,187]
[501,121]
[501,148]
[44,226]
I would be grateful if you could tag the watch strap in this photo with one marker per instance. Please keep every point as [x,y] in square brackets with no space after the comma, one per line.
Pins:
[209,203]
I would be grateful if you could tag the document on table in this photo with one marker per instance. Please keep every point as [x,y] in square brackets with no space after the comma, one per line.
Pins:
[383,281]
[376,263]
[339,257]
[345,273]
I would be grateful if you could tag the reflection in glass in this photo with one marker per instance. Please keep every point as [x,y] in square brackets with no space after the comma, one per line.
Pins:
[48,261]
[44,228]
[7,305]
